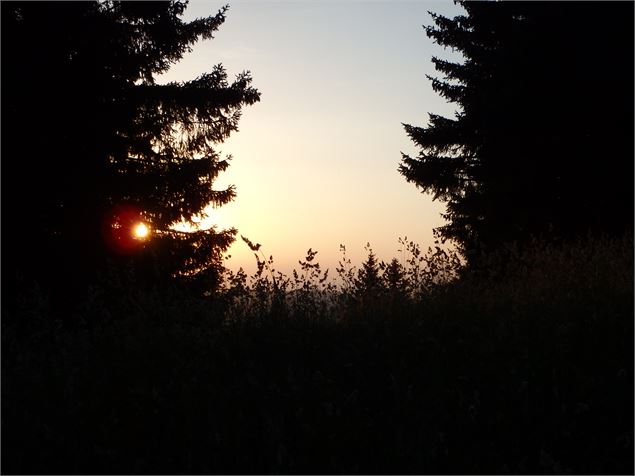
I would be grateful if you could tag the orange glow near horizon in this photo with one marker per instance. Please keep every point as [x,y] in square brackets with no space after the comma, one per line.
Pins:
[316,160]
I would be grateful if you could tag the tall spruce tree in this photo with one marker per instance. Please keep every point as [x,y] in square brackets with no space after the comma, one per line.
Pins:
[542,143]
[91,144]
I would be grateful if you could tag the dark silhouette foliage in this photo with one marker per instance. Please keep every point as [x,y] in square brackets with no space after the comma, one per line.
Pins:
[542,143]
[92,144]
[368,280]
[526,371]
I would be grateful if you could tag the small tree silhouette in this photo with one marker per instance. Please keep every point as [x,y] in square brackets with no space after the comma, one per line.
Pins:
[368,284]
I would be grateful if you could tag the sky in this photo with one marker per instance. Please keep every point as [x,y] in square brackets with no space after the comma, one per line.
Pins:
[315,161]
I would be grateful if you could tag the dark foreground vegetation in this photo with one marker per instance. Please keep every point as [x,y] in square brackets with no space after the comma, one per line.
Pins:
[525,366]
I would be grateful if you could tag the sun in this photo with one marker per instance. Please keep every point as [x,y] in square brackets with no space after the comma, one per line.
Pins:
[141,231]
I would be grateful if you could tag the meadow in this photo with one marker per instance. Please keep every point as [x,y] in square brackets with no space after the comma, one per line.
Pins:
[523,364]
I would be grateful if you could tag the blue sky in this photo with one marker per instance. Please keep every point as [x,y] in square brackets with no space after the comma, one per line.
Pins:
[315,162]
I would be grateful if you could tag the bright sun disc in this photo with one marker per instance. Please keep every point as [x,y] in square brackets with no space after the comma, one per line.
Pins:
[141,231]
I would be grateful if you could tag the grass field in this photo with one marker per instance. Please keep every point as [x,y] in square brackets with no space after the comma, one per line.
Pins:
[523,366]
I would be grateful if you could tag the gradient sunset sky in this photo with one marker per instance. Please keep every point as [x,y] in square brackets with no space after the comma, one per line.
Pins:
[315,161]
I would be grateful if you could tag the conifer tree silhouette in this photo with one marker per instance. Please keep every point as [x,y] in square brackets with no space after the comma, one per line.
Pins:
[542,143]
[101,145]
